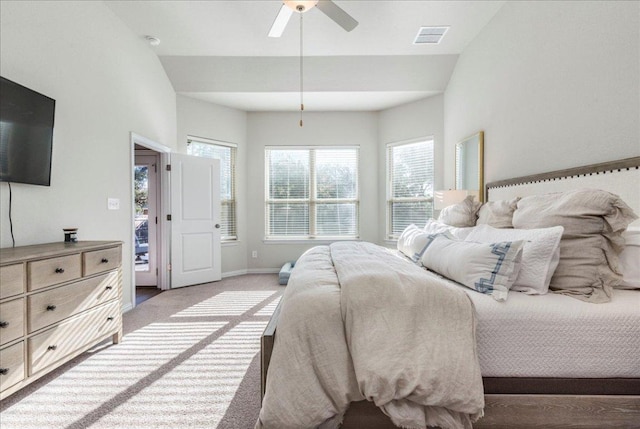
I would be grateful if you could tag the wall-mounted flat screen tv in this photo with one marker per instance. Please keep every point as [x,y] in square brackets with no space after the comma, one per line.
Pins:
[26,134]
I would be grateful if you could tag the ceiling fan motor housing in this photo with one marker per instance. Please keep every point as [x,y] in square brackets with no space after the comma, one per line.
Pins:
[301,5]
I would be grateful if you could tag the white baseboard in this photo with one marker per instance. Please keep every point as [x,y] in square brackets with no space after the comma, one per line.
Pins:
[233,273]
[250,271]
[263,271]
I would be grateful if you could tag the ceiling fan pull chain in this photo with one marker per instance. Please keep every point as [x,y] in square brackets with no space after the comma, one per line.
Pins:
[301,74]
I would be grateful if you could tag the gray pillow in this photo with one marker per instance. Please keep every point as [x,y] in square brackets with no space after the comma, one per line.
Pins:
[593,222]
[498,214]
[462,214]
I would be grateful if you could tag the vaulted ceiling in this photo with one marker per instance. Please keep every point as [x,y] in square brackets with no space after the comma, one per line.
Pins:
[219,51]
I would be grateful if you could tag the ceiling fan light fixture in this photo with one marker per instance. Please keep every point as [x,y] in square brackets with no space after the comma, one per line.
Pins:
[328,7]
[300,6]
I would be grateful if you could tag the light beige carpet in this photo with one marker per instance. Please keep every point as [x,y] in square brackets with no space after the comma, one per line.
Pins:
[189,359]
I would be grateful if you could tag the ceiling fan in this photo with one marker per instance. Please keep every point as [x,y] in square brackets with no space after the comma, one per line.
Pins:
[328,7]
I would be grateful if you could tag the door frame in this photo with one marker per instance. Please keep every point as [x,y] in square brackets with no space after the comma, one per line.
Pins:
[163,194]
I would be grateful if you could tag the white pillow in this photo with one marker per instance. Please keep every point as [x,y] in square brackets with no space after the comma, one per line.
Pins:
[629,259]
[486,268]
[462,214]
[412,242]
[435,227]
[540,255]
[498,214]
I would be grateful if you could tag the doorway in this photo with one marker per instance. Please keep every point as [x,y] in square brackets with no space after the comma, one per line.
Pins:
[149,256]
[194,262]
[146,218]
[146,211]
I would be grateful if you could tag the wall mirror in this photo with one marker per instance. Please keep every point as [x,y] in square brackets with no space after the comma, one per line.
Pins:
[470,165]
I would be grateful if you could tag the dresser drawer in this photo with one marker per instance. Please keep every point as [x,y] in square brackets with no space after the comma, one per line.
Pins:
[53,305]
[11,320]
[11,365]
[56,343]
[103,260]
[47,272]
[12,280]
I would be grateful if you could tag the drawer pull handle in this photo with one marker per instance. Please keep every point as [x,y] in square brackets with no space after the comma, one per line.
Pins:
[104,261]
[4,371]
[109,287]
[110,318]
[4,324]
[59,270]
[52,347]
[51,307]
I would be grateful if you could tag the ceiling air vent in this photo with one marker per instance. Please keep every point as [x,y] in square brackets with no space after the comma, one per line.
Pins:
[430,35]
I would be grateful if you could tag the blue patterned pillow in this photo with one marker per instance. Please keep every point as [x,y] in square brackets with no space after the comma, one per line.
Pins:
[412,242]
[487,268]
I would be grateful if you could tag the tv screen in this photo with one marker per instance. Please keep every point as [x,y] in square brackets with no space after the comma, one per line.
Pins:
[26,134]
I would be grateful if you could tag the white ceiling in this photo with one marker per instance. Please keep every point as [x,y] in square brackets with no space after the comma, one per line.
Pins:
[219,51]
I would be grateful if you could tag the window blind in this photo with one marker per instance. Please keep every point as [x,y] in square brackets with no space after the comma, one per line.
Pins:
[226,153]
[410,171]
[312,192]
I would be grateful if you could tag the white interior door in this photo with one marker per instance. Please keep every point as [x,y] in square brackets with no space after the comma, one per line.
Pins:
[195,220]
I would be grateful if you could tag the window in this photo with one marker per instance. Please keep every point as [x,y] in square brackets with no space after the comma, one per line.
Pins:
[311,192]
[226,153]
[410,185]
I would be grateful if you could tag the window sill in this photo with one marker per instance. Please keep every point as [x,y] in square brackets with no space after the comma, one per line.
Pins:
[229,243]
[306,240]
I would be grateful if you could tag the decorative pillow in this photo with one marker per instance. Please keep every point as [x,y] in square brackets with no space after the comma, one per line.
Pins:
[630,259]
[498,214]
[540,254]
[461,214]
[487,268]
[412,242]
[435,227]
[593,222]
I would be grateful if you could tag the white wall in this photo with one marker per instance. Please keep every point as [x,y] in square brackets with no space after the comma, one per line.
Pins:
[553,85]
[409,121]
[253,131]
[201,119]
[282,129]
[106,83]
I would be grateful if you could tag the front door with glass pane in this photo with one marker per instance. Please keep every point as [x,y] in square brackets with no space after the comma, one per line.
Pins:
[145,220]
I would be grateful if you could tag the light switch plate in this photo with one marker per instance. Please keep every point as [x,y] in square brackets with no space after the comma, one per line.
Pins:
[113,203]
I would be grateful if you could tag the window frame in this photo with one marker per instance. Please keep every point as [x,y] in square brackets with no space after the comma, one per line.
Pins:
[312,201]
[225,204]
[390,200]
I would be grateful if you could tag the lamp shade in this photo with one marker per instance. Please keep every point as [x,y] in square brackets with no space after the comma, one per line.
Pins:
[444,199]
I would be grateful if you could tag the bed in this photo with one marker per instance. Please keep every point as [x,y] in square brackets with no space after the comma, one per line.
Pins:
[588,375]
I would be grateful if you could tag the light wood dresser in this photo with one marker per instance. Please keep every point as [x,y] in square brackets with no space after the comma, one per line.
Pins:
[57,300]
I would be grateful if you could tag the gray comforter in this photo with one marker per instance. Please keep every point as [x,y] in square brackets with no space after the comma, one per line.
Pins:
[360,322]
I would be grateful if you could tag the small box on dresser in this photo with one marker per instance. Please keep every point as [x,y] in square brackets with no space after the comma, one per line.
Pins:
[57,300]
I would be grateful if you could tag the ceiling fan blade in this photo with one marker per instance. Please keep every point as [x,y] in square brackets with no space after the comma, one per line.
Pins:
[281,21]
[333,11]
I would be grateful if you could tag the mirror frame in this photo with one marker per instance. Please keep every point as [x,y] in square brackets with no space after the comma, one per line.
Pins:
[479,137]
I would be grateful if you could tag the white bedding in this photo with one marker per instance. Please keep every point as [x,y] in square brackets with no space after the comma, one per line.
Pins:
[312,378]
[558,336]
[359,322]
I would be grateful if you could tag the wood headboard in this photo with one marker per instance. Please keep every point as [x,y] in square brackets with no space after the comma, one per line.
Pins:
[620,177]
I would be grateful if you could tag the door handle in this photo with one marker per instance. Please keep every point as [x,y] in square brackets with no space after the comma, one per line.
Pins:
[217,225]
